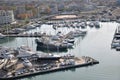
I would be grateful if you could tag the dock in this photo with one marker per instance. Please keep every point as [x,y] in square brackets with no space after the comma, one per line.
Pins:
[53,66]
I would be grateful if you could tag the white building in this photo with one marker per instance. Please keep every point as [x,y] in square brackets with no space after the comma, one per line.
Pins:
[6,17]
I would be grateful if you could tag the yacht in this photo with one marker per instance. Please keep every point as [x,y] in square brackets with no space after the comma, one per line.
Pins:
[91,24]
[2,36]
[96,24]
[42,56]
[51,45]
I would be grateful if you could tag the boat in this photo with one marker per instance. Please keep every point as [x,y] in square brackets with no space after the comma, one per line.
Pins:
[105,20]
[91,24]
[29,27]
[96,24]
[114,45]
[115,40]
[5,52]
[43,56]
[67,44]
[118,20]
[117,48]
[25,52]
[15,31]
[53,45]
[47,50]
[2,36]
[77,33]
[70,40]
[83,25]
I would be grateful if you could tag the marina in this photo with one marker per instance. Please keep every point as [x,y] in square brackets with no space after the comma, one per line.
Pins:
[87,45]
[59,39]
[22,61]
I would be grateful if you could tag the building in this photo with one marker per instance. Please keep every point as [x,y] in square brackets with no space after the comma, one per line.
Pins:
[20,10]
[54,8]
[6,17]
[23,12]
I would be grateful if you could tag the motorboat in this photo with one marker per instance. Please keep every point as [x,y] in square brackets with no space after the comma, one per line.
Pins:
[96,24]
[91,24]
[43,56]
[2,36]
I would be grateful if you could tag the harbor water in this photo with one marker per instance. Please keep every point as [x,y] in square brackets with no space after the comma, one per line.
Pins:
[96,44]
